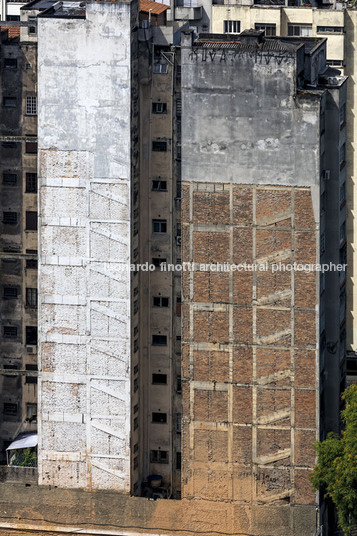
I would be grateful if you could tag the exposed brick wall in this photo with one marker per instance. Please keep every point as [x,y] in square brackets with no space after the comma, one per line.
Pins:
[249,345]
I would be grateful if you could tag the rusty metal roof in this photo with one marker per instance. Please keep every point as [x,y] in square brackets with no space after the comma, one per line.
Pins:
[154,8]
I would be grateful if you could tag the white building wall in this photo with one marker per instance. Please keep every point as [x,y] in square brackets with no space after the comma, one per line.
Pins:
[84,248]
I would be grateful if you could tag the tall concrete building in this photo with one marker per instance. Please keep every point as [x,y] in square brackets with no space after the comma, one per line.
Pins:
[263,149]
[18,185]
[256,193]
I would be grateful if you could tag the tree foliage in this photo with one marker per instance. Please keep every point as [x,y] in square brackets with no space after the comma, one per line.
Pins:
[335,474]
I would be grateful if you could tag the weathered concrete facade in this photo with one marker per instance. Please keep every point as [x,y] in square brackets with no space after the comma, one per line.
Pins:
[18,245]
[85,247]
[253,158]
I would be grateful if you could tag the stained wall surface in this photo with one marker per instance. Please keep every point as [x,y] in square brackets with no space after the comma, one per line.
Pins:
[84,283]
[250,336]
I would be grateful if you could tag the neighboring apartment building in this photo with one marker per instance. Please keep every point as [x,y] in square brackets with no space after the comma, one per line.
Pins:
[258,388]
[337,24]
[18,183]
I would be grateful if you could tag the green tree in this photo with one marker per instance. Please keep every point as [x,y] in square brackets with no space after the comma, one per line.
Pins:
[335,474]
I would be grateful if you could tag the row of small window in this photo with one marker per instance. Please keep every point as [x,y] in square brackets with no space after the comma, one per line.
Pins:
[298,30]
[10,179]
[13,266]
[31,295]
[31,104]
[10,408]
[12,218]
[11,332]
[30,146]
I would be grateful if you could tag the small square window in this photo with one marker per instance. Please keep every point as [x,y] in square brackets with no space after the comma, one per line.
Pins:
[159,417]
[159,107]
[9,217]
[31,147]
[10,409]
[159,186]
[10,292]
[31,183]
[159,68]
[10,332]
[10,63]
[231,26]
[9,179]
[159,226]
[159,379]
[159,301]
[160,146]
[159,340]
[31,264]
[9,102]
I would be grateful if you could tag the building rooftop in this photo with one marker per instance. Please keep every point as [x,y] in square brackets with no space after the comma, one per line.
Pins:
[148,6]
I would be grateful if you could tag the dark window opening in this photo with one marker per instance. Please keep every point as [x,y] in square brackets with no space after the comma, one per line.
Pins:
[31,183]
[10,332]
[31,335]
[9,144]
[159,226]
[159,379]
[159,107]
[31,221]
[160,146]
[9,102]
[159,186]
[31,147]
[157,262]
[9,217]
[178,461]
[9,179]
[10,63]
[31,264]
[10,292]
[10,409]
[159,456]
[159,340]
[159,417]
[31,297]
[159,301]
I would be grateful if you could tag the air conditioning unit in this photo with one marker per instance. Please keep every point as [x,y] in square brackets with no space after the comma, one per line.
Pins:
[178,240]
[326,174]
[31,349]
